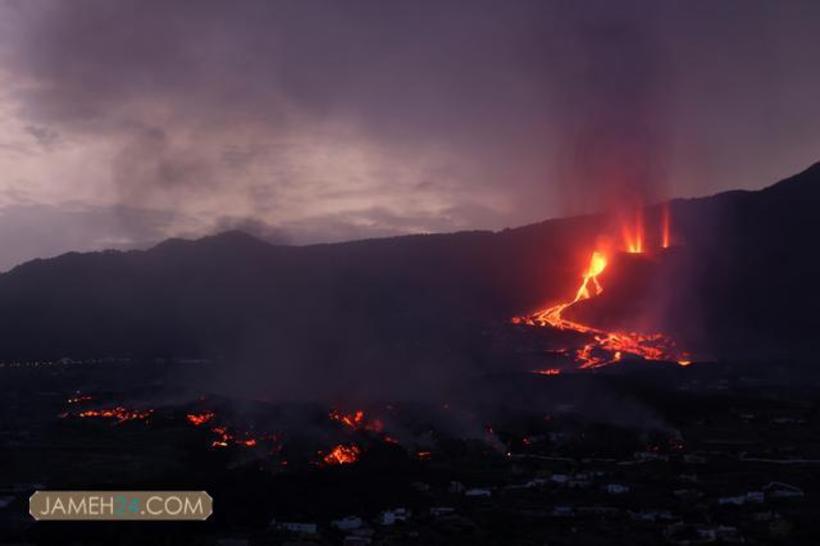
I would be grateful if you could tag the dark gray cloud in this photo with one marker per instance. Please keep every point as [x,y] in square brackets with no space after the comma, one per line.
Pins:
[331,119]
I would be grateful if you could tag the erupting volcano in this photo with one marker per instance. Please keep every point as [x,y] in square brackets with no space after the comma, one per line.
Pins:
[608,347]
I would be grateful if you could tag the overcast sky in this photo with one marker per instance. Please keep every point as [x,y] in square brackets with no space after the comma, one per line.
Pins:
[124,122]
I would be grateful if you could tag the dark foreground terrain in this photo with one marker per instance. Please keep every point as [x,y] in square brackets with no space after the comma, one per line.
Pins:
[636,454]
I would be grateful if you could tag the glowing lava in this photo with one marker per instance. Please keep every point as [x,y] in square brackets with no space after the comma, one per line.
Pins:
[665,221]
[342,454]
[198,419]
[119,413]
[605,347]
[356,420]
[552,315]
[352,420]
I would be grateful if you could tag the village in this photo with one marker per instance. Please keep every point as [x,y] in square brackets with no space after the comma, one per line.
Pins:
[735,462]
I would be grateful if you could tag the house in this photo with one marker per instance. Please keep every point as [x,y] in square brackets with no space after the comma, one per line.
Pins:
[646,456]
[562,512]
[232,542]
[687,494]
[617,489]
[737,500]
[298,527]
[688,535]
[438,511]
[605,511]
[559,478]
[391,517]
[755,497]
[651,516]
[421,487]
[694,459]
[478,492]
[780,490]
[354,540]
[728,534]
[347,523]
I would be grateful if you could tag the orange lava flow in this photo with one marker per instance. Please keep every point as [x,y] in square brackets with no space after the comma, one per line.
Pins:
[605,347]
[119,413]
[225,438]
[343,454]
[352,420]
[198,419]
[356,420]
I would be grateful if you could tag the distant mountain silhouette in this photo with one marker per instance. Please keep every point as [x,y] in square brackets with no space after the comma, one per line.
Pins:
[742,283]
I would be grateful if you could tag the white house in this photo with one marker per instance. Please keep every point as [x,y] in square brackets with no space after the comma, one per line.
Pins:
[780,490]
[478,492]
[438,511]
[737,500]
[347,523]
[299,527]
[617,489]
[391,517]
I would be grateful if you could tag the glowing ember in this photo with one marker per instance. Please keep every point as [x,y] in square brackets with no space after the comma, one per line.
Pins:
[119,413]
[352,420]
[548,371]
[605,347]
[356,420]
[79,399]
[198,419]
[225,438]
[665,223]
[343,454]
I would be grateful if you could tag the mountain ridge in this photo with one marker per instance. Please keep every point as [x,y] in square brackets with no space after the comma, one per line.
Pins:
[412,298]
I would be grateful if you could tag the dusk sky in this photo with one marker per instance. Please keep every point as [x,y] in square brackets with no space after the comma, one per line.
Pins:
[126,122]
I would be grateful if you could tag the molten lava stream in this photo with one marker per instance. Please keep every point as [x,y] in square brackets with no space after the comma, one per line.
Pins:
[605,347]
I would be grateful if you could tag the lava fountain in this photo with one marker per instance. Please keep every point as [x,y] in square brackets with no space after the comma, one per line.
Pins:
[665,221]
[607,347]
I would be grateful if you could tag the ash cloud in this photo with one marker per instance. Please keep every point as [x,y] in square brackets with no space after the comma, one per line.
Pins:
[614,127]
[442,116]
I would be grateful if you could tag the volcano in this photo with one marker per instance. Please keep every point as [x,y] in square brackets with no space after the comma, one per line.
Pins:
[732,280]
